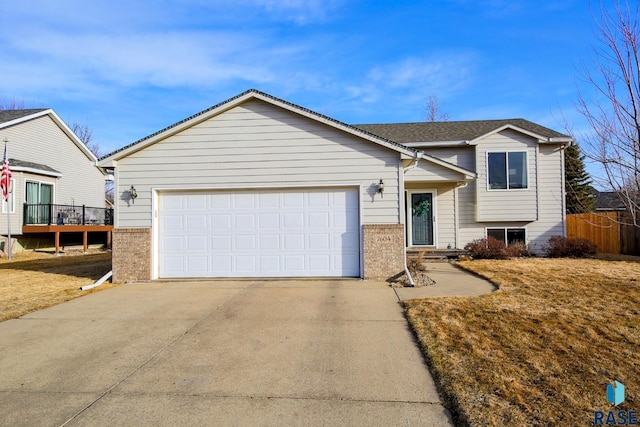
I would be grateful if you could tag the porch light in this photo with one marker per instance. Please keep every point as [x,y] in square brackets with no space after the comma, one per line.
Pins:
[133,194]
[381,188]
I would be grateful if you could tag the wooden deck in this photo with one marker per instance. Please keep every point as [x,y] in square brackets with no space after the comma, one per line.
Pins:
[57,229]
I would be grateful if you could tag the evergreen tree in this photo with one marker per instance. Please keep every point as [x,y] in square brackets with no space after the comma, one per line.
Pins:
[579,193]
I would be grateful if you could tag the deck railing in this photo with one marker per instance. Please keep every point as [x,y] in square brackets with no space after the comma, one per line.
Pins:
[50,214]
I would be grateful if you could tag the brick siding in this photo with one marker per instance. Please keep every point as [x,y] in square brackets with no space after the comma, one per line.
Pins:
[131,256]
[383,250]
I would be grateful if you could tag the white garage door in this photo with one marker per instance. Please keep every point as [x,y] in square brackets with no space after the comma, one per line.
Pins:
[279,233]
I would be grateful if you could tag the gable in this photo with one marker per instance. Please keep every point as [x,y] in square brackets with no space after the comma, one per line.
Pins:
[459,132]
[110,159]
[429,171]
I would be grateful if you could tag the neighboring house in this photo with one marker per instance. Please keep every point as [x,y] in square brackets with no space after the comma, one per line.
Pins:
[608,201]
[259,187]
[54,176]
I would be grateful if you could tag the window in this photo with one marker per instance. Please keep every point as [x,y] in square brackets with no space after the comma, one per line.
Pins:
[38,194]
[507,170]
[11,204]
[508,235]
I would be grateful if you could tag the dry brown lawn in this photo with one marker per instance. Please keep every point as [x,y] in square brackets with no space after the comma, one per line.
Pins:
[34,281]
[540,350]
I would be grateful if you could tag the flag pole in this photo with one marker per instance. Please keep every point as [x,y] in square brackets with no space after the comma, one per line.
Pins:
[9,225]
[8,199]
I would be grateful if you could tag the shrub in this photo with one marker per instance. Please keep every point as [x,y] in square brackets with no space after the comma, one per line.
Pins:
[569,247]
[489,248]
[519,250]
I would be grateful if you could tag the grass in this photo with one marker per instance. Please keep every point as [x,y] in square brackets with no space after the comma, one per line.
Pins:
[34,281]
[540,350]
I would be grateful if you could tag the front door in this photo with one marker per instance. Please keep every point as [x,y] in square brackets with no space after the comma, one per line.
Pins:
[422,218]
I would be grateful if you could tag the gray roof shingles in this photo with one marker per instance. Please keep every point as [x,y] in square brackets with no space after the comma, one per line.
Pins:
[451,131]
[22,163]
[9,115]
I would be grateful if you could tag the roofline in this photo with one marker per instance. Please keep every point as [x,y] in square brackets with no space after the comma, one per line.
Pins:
[443,163]
[25,118]
[541,138]
[50,112]
[35,170]
[109,159]
[436,143]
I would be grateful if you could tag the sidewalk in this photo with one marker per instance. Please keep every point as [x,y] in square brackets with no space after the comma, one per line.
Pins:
[450,281]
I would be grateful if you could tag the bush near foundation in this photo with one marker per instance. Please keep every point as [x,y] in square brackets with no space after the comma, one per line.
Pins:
[487,248]
[569,247]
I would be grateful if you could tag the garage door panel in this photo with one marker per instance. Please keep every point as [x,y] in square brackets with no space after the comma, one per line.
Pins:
[293,220]
[222,264]
[196,201]
[273,233]
[221,243]
[269,220]
[196,223]
[269,242]
[172,244]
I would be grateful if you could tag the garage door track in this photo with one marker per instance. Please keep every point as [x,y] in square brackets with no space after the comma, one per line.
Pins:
[218,353]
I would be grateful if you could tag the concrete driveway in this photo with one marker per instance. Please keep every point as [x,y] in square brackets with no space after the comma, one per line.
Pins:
[218,353]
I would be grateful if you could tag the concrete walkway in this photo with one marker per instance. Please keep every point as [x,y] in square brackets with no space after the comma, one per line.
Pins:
[219,353]
[450,281]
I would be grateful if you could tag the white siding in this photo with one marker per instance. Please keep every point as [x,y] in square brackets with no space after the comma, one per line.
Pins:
[462,156]
[257,145]
[427,171]
[506,205]
[551,204]
[479,209]
[42,141]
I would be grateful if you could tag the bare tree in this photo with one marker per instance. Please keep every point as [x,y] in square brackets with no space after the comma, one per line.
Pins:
[613,112]
[85,134]
[11,104]
[434,113]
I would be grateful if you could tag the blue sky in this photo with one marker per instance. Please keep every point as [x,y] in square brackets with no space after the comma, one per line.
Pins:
[128,69]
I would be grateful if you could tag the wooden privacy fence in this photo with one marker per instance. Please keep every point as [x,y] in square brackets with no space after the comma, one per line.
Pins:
[612,232]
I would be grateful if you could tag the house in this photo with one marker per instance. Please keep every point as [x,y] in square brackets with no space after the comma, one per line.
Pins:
[55,181]
[259,187]
[608,201]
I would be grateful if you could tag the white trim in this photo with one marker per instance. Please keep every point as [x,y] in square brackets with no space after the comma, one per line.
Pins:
[506,153]
[155,234]
[456,216]
[155,212]
[234,102]
[540,138]
[63,126]
[430,144]
[36,171]
[53,190]
[360,227]
[434,216]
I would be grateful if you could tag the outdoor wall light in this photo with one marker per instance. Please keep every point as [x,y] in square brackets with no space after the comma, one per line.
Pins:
[133,194]
[381,188]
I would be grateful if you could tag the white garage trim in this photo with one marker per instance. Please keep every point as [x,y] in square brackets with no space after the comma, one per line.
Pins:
[301,231]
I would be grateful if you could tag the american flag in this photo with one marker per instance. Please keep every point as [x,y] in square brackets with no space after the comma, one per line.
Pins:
[5,177]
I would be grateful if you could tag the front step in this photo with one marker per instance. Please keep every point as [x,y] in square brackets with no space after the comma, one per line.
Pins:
[434,255]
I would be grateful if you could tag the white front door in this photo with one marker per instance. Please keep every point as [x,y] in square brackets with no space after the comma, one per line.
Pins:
[266,233]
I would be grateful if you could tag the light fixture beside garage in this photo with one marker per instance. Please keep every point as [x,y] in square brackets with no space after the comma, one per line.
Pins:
[381,188]
[133,194]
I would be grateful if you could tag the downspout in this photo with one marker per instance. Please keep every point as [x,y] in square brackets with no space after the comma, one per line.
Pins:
[98,283]
[418,156]
[563,147]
